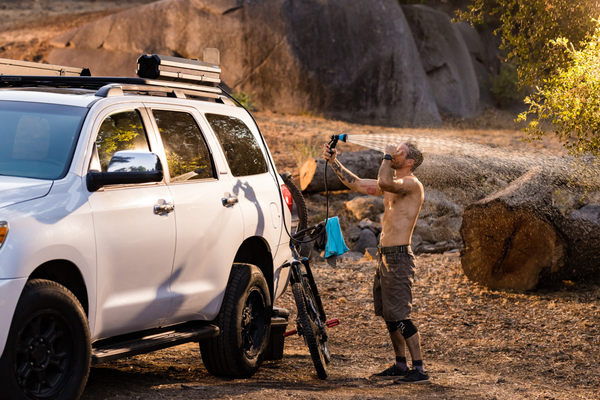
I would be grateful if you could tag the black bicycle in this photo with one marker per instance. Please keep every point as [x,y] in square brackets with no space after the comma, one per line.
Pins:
[311,321]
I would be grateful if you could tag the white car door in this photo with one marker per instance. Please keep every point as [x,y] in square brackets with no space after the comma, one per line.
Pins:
[255,188]
[209,229]
[253,185]
[135,246]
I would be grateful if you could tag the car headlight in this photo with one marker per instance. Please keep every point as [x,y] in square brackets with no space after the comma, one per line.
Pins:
[3,231]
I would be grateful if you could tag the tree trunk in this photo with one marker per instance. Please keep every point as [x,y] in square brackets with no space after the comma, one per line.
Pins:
[438,171]
[517,238]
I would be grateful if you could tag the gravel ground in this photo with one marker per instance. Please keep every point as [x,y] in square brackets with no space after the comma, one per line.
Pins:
[477,344]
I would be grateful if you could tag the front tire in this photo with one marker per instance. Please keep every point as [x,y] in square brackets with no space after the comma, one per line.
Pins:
[245,323]
[48,351]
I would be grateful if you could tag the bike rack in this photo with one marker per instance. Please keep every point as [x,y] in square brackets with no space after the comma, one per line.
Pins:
[329,323]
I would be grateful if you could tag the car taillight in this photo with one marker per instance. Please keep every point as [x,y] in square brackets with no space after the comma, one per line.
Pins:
[287,197]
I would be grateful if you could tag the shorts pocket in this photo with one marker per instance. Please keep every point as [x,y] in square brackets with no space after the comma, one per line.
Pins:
[392,258]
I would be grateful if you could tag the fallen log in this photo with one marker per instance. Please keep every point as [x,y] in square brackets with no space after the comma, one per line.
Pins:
[364,164]
[519,239]
[438,171]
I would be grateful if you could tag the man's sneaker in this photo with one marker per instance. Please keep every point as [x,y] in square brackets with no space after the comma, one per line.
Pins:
[392,372]
[413,376]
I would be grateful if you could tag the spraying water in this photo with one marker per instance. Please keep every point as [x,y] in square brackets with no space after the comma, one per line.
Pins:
[437,145]
[475,154]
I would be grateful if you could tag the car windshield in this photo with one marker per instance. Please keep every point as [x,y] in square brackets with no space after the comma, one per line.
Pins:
[37,140]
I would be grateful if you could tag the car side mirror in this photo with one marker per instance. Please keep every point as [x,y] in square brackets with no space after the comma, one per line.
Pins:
[127,167]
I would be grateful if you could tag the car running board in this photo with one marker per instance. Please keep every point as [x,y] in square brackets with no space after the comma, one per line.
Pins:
[132,344]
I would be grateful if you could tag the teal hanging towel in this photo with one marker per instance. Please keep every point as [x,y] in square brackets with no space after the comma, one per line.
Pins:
[335,240]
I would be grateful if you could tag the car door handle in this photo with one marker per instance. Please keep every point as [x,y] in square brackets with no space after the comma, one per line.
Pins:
[164,208]
[229,201]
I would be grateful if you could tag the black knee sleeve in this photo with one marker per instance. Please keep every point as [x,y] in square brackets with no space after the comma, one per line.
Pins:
[392,325]
[406,327]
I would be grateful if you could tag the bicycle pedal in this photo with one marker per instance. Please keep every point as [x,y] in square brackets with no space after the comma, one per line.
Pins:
[332,322]
[290,333]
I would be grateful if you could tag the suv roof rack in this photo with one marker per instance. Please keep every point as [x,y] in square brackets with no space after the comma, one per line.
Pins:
[178,69]
[112,86]
[171,76]
[14,67]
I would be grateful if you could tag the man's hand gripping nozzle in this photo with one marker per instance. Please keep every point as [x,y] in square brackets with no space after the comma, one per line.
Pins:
[334,140]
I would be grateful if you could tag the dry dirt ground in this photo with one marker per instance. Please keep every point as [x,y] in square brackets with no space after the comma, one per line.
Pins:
[478,344]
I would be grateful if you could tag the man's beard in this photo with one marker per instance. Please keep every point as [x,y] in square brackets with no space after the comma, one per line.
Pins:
[397,165]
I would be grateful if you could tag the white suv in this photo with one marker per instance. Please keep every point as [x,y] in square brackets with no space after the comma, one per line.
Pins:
[134,215]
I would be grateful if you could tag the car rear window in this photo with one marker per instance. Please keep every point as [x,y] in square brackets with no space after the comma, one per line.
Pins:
[241,149]
[37,140]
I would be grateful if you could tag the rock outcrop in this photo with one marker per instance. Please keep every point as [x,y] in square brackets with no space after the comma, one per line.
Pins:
[446,60]
[353,60]
[478,59]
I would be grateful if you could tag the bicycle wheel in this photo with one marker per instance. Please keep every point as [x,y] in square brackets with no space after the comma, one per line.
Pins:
[299,210]
[311,327]
[299,215]
[313,294]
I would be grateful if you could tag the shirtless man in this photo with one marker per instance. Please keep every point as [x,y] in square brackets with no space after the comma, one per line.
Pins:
[392,288]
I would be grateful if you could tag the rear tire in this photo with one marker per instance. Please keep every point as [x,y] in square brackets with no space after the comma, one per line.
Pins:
[310,330]
[48,351]
[245,324]
[300,211]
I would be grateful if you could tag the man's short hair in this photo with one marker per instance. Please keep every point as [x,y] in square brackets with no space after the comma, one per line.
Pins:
[414,153]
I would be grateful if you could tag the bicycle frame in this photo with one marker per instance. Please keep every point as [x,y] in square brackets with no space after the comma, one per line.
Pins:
[311,293]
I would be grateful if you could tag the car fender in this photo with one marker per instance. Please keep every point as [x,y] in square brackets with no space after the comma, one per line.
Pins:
[10,291]
[58,226]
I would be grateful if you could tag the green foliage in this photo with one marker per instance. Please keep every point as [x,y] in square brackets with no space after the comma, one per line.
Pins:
[570,99]
[554,46]
[118,132]
[178,166]
[118,139]
[245,99]
[505,85]
[528,26]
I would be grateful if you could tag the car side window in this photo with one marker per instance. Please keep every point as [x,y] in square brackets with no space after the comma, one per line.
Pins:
[241,149]
[187,153]
[119,131]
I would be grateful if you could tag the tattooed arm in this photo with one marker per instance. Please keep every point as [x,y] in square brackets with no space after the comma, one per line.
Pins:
[366,186]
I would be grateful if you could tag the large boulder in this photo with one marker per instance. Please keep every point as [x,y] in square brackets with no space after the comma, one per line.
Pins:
[478,59]
[354,60]
[446,60]
[367,239]
[366,207]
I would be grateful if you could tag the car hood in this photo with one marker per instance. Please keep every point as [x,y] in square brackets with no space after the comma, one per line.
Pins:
[17,190]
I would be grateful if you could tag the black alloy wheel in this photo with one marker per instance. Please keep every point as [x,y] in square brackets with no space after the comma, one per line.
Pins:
[253,322]
[44,354]
[245,324]
[48,350]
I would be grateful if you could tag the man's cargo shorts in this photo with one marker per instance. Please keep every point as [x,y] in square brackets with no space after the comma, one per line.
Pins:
[392,288]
